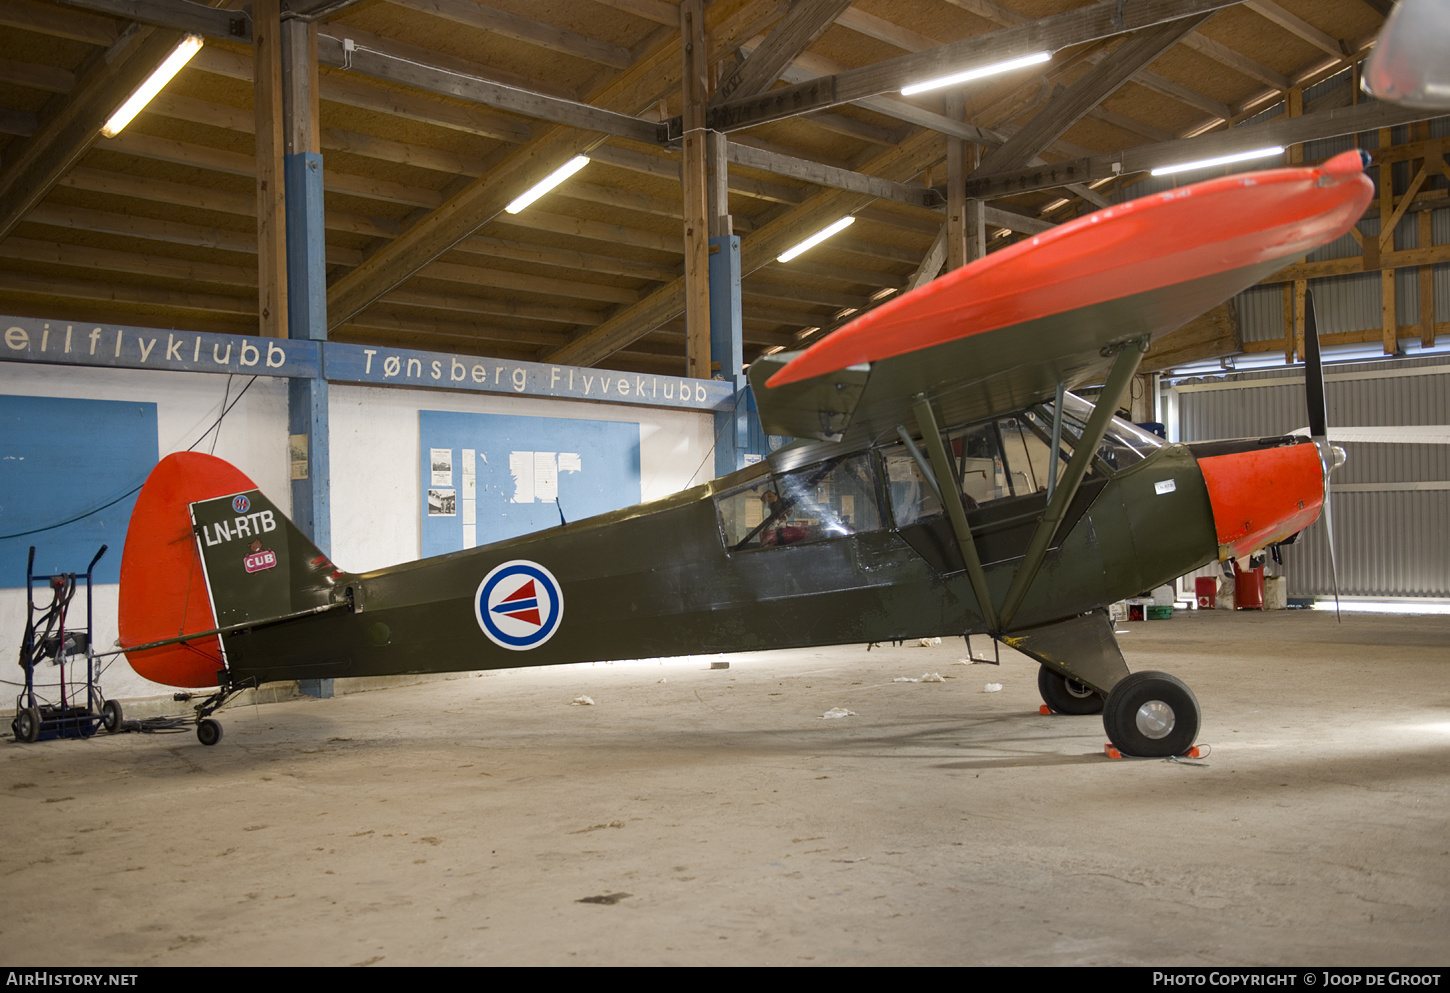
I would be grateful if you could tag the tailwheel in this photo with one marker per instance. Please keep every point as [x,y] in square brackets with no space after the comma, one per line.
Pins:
[111,716]
[208,731]
[1151,715]
[1066,695]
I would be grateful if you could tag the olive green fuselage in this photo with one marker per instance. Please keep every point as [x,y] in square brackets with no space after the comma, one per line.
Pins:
[657,580]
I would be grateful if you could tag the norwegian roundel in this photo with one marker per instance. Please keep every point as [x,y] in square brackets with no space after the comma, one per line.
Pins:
[519,605]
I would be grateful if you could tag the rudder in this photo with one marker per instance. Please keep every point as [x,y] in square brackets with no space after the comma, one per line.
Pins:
[189,567]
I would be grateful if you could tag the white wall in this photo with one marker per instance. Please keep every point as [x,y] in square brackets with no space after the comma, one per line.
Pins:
[253,437]
[376,520]
[374,463]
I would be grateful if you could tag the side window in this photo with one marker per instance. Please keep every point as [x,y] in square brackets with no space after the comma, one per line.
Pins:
[820,501]
[998,460]
[743,511]
[1026,445]
[977,463]
[912,499]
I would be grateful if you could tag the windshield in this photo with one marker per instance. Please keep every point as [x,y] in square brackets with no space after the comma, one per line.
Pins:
[1123,445]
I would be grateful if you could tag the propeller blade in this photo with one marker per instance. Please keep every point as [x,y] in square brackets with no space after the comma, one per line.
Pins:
[1319,427]
[1314,373]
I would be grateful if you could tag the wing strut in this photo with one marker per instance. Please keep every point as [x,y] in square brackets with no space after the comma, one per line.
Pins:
[1130,354]
[1056,441]
[951,499]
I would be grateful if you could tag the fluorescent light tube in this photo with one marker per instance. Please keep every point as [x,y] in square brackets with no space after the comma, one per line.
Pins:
[962,77]
[816,239]
[180,56]
[550,181]
[1258,153]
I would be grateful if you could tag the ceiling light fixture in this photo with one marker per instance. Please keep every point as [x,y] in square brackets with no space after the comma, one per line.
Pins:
[546,184]
[816,239]
[1258,153]
[969,74]
[180,56]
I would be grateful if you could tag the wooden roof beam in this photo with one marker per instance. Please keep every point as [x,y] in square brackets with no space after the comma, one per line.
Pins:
[1101,81]
[391,320]
[71,125]
[365,96]
[1284,131]
[758,249]
[1299,27]
[806,21]
[49,19]
[447,82]
[506,25]
[176,15]
[482,200]
[1101,20]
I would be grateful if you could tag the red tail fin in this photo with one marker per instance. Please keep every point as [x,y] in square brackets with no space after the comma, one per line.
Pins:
[163,590]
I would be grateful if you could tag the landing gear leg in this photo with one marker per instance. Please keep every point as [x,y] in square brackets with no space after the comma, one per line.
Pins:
[209,731]
[1080,659]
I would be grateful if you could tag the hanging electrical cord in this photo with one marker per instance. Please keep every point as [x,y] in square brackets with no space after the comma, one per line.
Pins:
[227,408]
[216,428]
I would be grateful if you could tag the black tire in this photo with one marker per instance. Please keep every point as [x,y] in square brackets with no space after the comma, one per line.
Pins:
[1151,715]
[208,732]
[111,716]
[1067,696]
[26,724]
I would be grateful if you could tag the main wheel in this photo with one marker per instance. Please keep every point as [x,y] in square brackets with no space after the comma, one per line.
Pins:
[1067,696]
[111,716]
[1151,715]
[26,724]
[208,732]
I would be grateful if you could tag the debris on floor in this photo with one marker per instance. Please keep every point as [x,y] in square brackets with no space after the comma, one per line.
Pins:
[581,701]
[992,688]
[835,712]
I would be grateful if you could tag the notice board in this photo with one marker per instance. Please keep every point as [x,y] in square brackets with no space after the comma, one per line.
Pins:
[487,477]
[69,472]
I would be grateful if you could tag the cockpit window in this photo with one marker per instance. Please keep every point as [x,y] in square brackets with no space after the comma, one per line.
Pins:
[1123,445]
[827,500]
[1008,458]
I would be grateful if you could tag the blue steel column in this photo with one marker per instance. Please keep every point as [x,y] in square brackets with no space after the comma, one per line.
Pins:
[726,353]
[306,294]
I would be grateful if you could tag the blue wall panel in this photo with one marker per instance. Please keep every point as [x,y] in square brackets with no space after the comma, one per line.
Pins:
[62,459]
[487,477]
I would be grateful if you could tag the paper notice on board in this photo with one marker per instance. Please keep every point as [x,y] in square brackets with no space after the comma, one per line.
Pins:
[569,462]
[467,475]
[442,462]
[521,468]
[546,477]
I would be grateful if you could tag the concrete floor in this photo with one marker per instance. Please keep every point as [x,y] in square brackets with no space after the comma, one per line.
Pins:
[698,816]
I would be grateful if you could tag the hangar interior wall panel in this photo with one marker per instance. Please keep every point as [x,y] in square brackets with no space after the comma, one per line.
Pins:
[1391,502]
[375,451]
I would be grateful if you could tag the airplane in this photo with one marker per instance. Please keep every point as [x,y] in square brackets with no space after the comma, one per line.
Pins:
[944,481]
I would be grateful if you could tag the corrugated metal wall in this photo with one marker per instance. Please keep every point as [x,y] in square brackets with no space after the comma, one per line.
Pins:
[1391,502]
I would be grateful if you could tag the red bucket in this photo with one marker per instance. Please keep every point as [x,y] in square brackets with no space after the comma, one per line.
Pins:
[1248,588]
